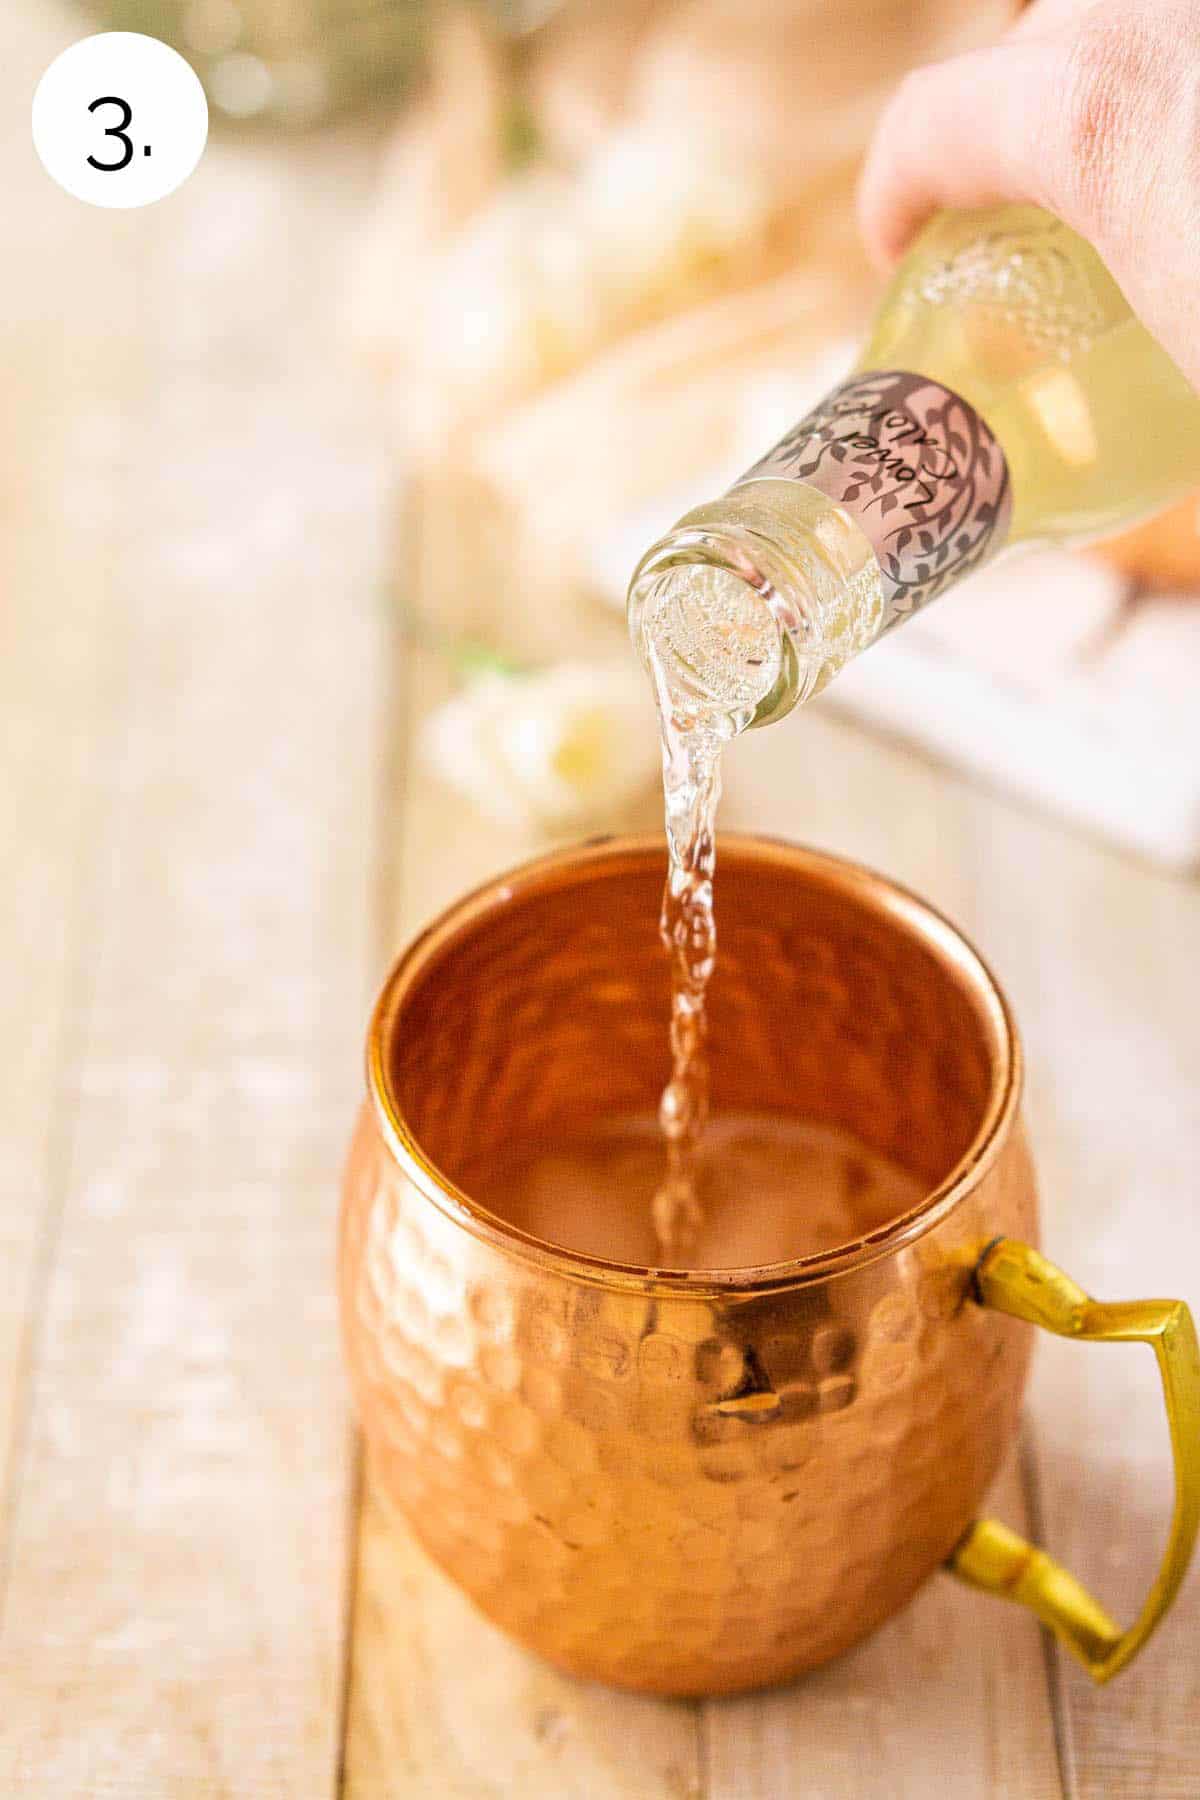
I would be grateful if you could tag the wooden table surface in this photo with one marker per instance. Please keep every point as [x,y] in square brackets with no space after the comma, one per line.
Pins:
[213,844]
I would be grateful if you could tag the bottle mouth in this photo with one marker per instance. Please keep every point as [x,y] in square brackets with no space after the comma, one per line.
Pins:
[709,634]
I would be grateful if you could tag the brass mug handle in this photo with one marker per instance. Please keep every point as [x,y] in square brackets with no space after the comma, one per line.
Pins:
[1015,1279]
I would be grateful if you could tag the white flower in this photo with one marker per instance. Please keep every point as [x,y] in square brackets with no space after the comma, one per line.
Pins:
[562,746]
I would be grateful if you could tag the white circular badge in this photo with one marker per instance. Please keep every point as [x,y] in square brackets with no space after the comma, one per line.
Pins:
[120,119]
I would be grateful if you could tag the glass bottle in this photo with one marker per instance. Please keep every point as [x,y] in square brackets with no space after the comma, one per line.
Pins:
[1006,395]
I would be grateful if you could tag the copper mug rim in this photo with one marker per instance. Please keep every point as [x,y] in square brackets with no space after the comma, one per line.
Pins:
[578,861]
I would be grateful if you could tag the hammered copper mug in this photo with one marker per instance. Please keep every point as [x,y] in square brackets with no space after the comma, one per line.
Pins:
[692,1483]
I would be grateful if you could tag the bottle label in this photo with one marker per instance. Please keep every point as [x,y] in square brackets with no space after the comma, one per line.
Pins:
[917,468]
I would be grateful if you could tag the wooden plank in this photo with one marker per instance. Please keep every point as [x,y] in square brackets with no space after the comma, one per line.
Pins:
[954,1682]
[443,1703]
[946,1693]
[60,470]
[174,1618]
[1100,955]
[1094,950]
[439,1701]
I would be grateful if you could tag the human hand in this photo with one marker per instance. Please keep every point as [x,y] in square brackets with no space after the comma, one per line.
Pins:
[1085,107]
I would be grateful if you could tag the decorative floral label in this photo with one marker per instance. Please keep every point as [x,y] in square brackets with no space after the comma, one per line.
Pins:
[918,469]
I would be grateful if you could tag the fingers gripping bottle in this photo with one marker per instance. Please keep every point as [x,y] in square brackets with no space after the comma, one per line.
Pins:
[1006,395]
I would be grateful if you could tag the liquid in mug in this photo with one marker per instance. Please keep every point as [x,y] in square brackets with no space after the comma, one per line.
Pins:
[769,1189]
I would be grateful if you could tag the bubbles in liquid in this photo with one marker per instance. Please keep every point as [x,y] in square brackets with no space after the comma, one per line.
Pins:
[724,644]
[1029,284]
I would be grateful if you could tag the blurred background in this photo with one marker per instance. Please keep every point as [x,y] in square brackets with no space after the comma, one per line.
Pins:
[320,482]
[608,254]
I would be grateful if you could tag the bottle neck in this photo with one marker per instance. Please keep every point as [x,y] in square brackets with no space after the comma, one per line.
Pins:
[918,470]
[804,570]
[887,493]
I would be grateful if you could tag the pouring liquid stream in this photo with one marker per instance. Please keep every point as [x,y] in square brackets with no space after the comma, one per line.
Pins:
[713,650]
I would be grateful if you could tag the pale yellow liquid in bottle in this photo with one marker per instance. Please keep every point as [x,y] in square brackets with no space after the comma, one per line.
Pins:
[1020,316]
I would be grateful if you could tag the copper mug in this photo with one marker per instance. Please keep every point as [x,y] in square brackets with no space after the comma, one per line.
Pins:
[694,1483]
